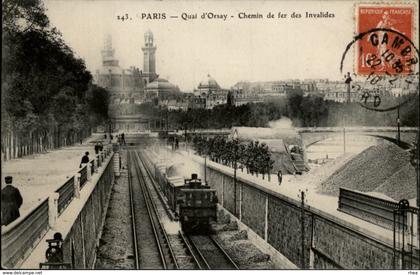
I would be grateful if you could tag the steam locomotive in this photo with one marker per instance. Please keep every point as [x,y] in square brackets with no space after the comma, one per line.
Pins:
[193,203]
[196,205]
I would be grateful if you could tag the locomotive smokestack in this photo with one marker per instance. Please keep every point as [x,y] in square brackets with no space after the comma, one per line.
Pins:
[193,176]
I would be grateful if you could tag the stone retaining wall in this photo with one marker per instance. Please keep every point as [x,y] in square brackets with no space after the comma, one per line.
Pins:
[329,243]
[80,243]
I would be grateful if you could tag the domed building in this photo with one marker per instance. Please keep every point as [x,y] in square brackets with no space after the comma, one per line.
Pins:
[206,86]
[210,91]
[127,86]
[161,88]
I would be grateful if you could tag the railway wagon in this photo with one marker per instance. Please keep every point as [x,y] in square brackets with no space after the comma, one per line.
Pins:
[173,193]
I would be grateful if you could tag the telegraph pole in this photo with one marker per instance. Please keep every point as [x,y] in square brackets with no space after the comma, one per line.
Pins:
[398,121]
[348,99]
[302,197]
[235,142]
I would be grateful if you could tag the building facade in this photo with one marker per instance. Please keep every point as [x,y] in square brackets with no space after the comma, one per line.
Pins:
[128,87]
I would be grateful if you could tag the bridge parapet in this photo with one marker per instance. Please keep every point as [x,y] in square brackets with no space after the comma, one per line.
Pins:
[311,136]
[355,129]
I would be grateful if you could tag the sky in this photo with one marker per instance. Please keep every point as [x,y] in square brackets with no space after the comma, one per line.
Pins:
[229,50]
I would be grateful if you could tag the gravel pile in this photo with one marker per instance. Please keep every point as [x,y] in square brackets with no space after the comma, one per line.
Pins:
[380,168]
[401,185]
[245,254]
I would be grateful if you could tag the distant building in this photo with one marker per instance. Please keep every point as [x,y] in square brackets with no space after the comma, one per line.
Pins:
[273,89]
[209,93]
[177,104]
[130,87]
[126,85]
[161,88]
[240,97]
[196,102]
[149,59]
[206,86]
[337,91]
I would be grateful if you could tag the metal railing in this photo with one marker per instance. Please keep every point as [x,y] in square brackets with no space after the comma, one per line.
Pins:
[66,194]
[83,176]
[18,239]
[375,210]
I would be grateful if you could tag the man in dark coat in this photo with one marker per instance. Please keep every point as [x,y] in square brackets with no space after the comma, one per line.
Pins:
[97,148]
[122,138]
[11,200]
[85,159]
[280,176]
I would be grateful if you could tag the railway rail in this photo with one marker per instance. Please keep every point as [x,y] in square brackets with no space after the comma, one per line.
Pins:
[162,251]
[209,253]
[152,248]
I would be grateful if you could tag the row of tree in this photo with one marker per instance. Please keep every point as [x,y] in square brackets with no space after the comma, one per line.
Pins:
[254,156]
[48,99]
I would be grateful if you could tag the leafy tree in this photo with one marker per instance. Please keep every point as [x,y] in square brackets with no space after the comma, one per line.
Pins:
[45,88]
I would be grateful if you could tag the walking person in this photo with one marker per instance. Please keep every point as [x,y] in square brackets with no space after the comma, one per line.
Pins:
[85,159]
[97,146]
[280,176]
[11,201]
[123,138]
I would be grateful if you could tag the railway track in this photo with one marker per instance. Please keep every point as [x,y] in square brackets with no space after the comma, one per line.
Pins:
[151,245]
[153,248]
[208,252]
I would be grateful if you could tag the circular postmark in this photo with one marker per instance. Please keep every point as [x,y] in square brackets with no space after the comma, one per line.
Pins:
[384,69]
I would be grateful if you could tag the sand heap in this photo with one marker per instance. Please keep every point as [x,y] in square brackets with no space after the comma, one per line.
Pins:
[383,168]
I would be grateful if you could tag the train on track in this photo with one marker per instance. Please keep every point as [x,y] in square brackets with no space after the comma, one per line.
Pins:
[193,203]
[196,205]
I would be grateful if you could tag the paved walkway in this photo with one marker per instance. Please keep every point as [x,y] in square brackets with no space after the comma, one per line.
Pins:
[36,176]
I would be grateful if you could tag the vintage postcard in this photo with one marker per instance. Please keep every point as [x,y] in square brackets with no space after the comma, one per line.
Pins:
[210,135]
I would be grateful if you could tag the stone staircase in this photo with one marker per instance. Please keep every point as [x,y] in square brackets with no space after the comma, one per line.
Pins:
[299,163]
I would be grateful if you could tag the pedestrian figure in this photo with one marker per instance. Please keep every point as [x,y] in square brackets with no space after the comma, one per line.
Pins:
[97,148]
[122,138]
[280,176]
[176,143]
[85,159]
[11,200]
[100,146]
[105,136]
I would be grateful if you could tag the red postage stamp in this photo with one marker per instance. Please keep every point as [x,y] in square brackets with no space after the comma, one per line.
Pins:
[386,48]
